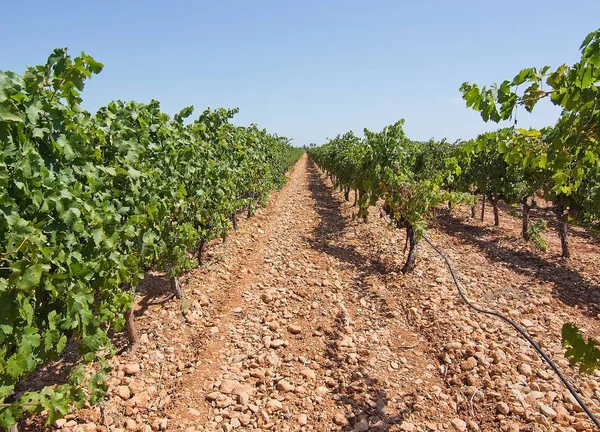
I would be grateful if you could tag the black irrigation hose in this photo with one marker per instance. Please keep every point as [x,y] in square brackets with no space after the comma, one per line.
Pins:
[523,333]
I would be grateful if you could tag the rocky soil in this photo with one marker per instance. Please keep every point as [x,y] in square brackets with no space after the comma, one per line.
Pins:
[301,321]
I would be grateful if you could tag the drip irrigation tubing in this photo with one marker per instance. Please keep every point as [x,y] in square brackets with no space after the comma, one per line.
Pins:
[523,333]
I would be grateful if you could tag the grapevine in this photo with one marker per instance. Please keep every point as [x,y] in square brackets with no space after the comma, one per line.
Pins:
[93,200]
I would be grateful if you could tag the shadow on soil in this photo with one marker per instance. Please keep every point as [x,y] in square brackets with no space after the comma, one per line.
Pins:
[591,234]
[568,285]
[362,397]
[154,289]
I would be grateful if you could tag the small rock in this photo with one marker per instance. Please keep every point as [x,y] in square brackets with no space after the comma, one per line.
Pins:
[547,411]
[472,424]
[285,386]
[294,329]
[308,373]
[407,426]
[224,401]
[229,386]
[527,323]
[130,424]
[346,342]
[340,419]
[235,423]
[131,369]
[277,343]
[124,392]
[321,391]
[212,396]
[59,423]
[580,425]
[140,399]
[459,425]
[361,426]
[525,369]
[302,419]
[469,364]
[194,412]
[503,408]
[274,405]
[453,346]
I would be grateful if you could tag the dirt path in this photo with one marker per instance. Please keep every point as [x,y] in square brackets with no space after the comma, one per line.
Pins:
[300,321]
[313,342]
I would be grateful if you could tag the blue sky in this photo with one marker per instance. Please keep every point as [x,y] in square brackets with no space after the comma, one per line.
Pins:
[306,69]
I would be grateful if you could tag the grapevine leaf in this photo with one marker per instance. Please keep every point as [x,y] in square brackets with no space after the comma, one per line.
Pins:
[9,114]
[31,277]
[580,353]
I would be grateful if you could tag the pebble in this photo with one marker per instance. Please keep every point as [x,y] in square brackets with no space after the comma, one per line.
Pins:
[302,419]
[294,329]
[453,346]
[361,426]
[469,364]
[124,392]
[308,374]
[276,343]
[525,369]
[503,408]
[340,419]
[58,424]
[459,425]
[130,424]
[274,405]
[285,386]
[131,369]
[229,386]
[407,426]
[547,411]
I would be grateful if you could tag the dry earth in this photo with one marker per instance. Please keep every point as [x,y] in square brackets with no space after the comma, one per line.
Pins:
[301,321]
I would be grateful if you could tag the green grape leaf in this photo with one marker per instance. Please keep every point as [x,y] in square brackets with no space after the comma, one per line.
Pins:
[31,277]
[580,353]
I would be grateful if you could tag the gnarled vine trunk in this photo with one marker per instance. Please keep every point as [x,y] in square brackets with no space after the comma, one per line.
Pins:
[494,202]
[473,211]
[347,194]
[411,236]
[177,288]
[561,216]
[526,207]
[482,207]
[201,246]
[355,197]
[234,220]
[130,328]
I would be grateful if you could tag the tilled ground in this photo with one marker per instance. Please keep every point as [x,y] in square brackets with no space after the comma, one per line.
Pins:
[301,322]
